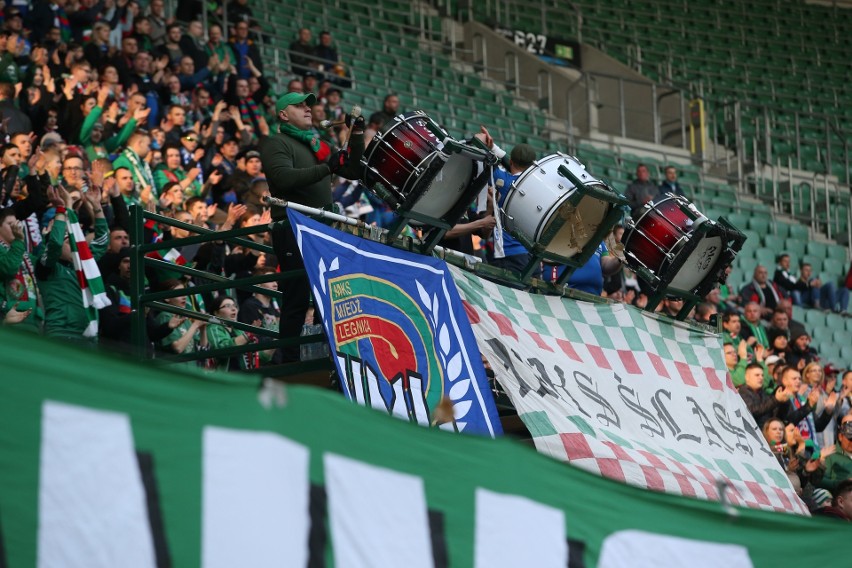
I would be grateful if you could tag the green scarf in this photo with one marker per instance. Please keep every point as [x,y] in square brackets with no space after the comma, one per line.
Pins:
[308,137]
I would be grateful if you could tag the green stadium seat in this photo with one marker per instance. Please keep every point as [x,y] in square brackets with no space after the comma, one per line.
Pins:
[766,257]
[760,224]
[835,322]
[822,335]
[828,350]
[799,232]
[774,242]
[817,249]
[782,229]
[814,261]
[838,253]
[846,355]
[834,268]
[814,318]
[795,247]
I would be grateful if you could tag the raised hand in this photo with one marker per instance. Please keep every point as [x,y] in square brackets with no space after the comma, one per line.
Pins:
[17,232]
[93,196]
[99,170]
[235,211]
[813,397]
[141,114]
[111,187]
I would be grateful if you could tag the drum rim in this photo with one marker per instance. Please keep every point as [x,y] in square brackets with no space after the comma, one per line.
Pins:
[539,163]
[387,128]
[632,227]
[683,254]
[378,140]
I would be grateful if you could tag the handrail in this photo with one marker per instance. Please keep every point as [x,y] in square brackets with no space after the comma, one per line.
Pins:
[141,300]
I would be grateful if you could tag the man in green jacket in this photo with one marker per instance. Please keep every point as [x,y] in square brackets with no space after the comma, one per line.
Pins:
[65,315]
[838,466]
[301,168]
[18,288]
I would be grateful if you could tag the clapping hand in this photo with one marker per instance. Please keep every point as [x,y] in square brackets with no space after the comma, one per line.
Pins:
[14,316]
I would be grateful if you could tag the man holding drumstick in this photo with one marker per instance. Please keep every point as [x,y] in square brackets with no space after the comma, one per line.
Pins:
[300,168]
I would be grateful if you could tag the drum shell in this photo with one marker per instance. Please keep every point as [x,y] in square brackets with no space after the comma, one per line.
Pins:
[408,159]
[398,150]
[681,249]
[656,232]
[540,195]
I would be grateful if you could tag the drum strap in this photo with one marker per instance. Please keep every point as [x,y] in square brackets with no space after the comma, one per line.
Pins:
[498,218]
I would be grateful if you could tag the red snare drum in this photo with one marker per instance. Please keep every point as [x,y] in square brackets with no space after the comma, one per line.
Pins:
[402,158]
[675,242]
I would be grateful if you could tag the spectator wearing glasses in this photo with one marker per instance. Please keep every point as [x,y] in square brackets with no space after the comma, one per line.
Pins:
[838,466]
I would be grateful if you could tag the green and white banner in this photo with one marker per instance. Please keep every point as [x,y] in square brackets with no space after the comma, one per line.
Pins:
[106,463]
[624,394]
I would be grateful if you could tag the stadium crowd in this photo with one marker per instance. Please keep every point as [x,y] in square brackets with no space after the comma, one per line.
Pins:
[106,104]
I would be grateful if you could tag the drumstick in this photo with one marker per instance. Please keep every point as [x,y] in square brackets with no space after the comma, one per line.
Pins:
[355,113]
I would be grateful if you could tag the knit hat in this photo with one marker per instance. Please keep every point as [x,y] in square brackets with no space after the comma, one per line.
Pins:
[821,498]
[294,99]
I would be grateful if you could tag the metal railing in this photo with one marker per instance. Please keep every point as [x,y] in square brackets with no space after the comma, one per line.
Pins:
[142,301]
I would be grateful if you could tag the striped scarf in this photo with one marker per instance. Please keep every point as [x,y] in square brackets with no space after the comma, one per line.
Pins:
[60,20]
[173,255]
[88,275]
[249,112]
[320,149]
[807,426]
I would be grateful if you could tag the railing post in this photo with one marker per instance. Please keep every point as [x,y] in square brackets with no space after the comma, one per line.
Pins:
[621,110]
[138,335]
[655,115]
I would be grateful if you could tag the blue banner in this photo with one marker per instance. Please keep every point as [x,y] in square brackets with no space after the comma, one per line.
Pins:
[397,328]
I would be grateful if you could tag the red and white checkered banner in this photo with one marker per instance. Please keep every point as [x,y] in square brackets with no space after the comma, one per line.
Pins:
[624,394]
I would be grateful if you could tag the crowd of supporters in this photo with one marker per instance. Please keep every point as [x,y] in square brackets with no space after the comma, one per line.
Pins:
[107,104]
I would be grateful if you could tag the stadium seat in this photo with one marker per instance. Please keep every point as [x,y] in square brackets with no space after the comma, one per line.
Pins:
[795,246]
[835,322]
[814,318]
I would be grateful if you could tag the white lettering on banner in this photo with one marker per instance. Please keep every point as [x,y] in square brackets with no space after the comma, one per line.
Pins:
[640,549]
[255,508]
[606,399]
[624,395]
[361,383]
[516,531]
[378,516]
[255,500]
[91,505]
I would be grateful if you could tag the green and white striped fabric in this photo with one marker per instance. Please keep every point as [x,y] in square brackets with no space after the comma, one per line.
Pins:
[625,394]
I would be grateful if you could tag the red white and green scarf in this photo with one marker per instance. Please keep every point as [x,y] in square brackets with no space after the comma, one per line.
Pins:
[249,112]
[320,149]
[88,275]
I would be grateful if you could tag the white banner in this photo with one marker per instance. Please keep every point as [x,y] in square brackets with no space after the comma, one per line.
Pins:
[626,395]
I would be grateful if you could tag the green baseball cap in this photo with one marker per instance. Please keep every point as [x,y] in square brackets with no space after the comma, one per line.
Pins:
[294,99]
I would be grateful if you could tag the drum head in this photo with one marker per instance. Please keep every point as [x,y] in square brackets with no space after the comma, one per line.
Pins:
[699,264]
[438,196]
[580,225]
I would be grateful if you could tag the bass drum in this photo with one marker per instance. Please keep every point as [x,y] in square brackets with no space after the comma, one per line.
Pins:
[540,197]
[675,242]
[407,159]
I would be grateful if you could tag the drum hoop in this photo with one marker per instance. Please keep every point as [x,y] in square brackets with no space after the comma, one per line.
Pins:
[420,171]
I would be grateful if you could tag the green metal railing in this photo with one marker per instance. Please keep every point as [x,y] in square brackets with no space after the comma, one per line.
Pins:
[141,300]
